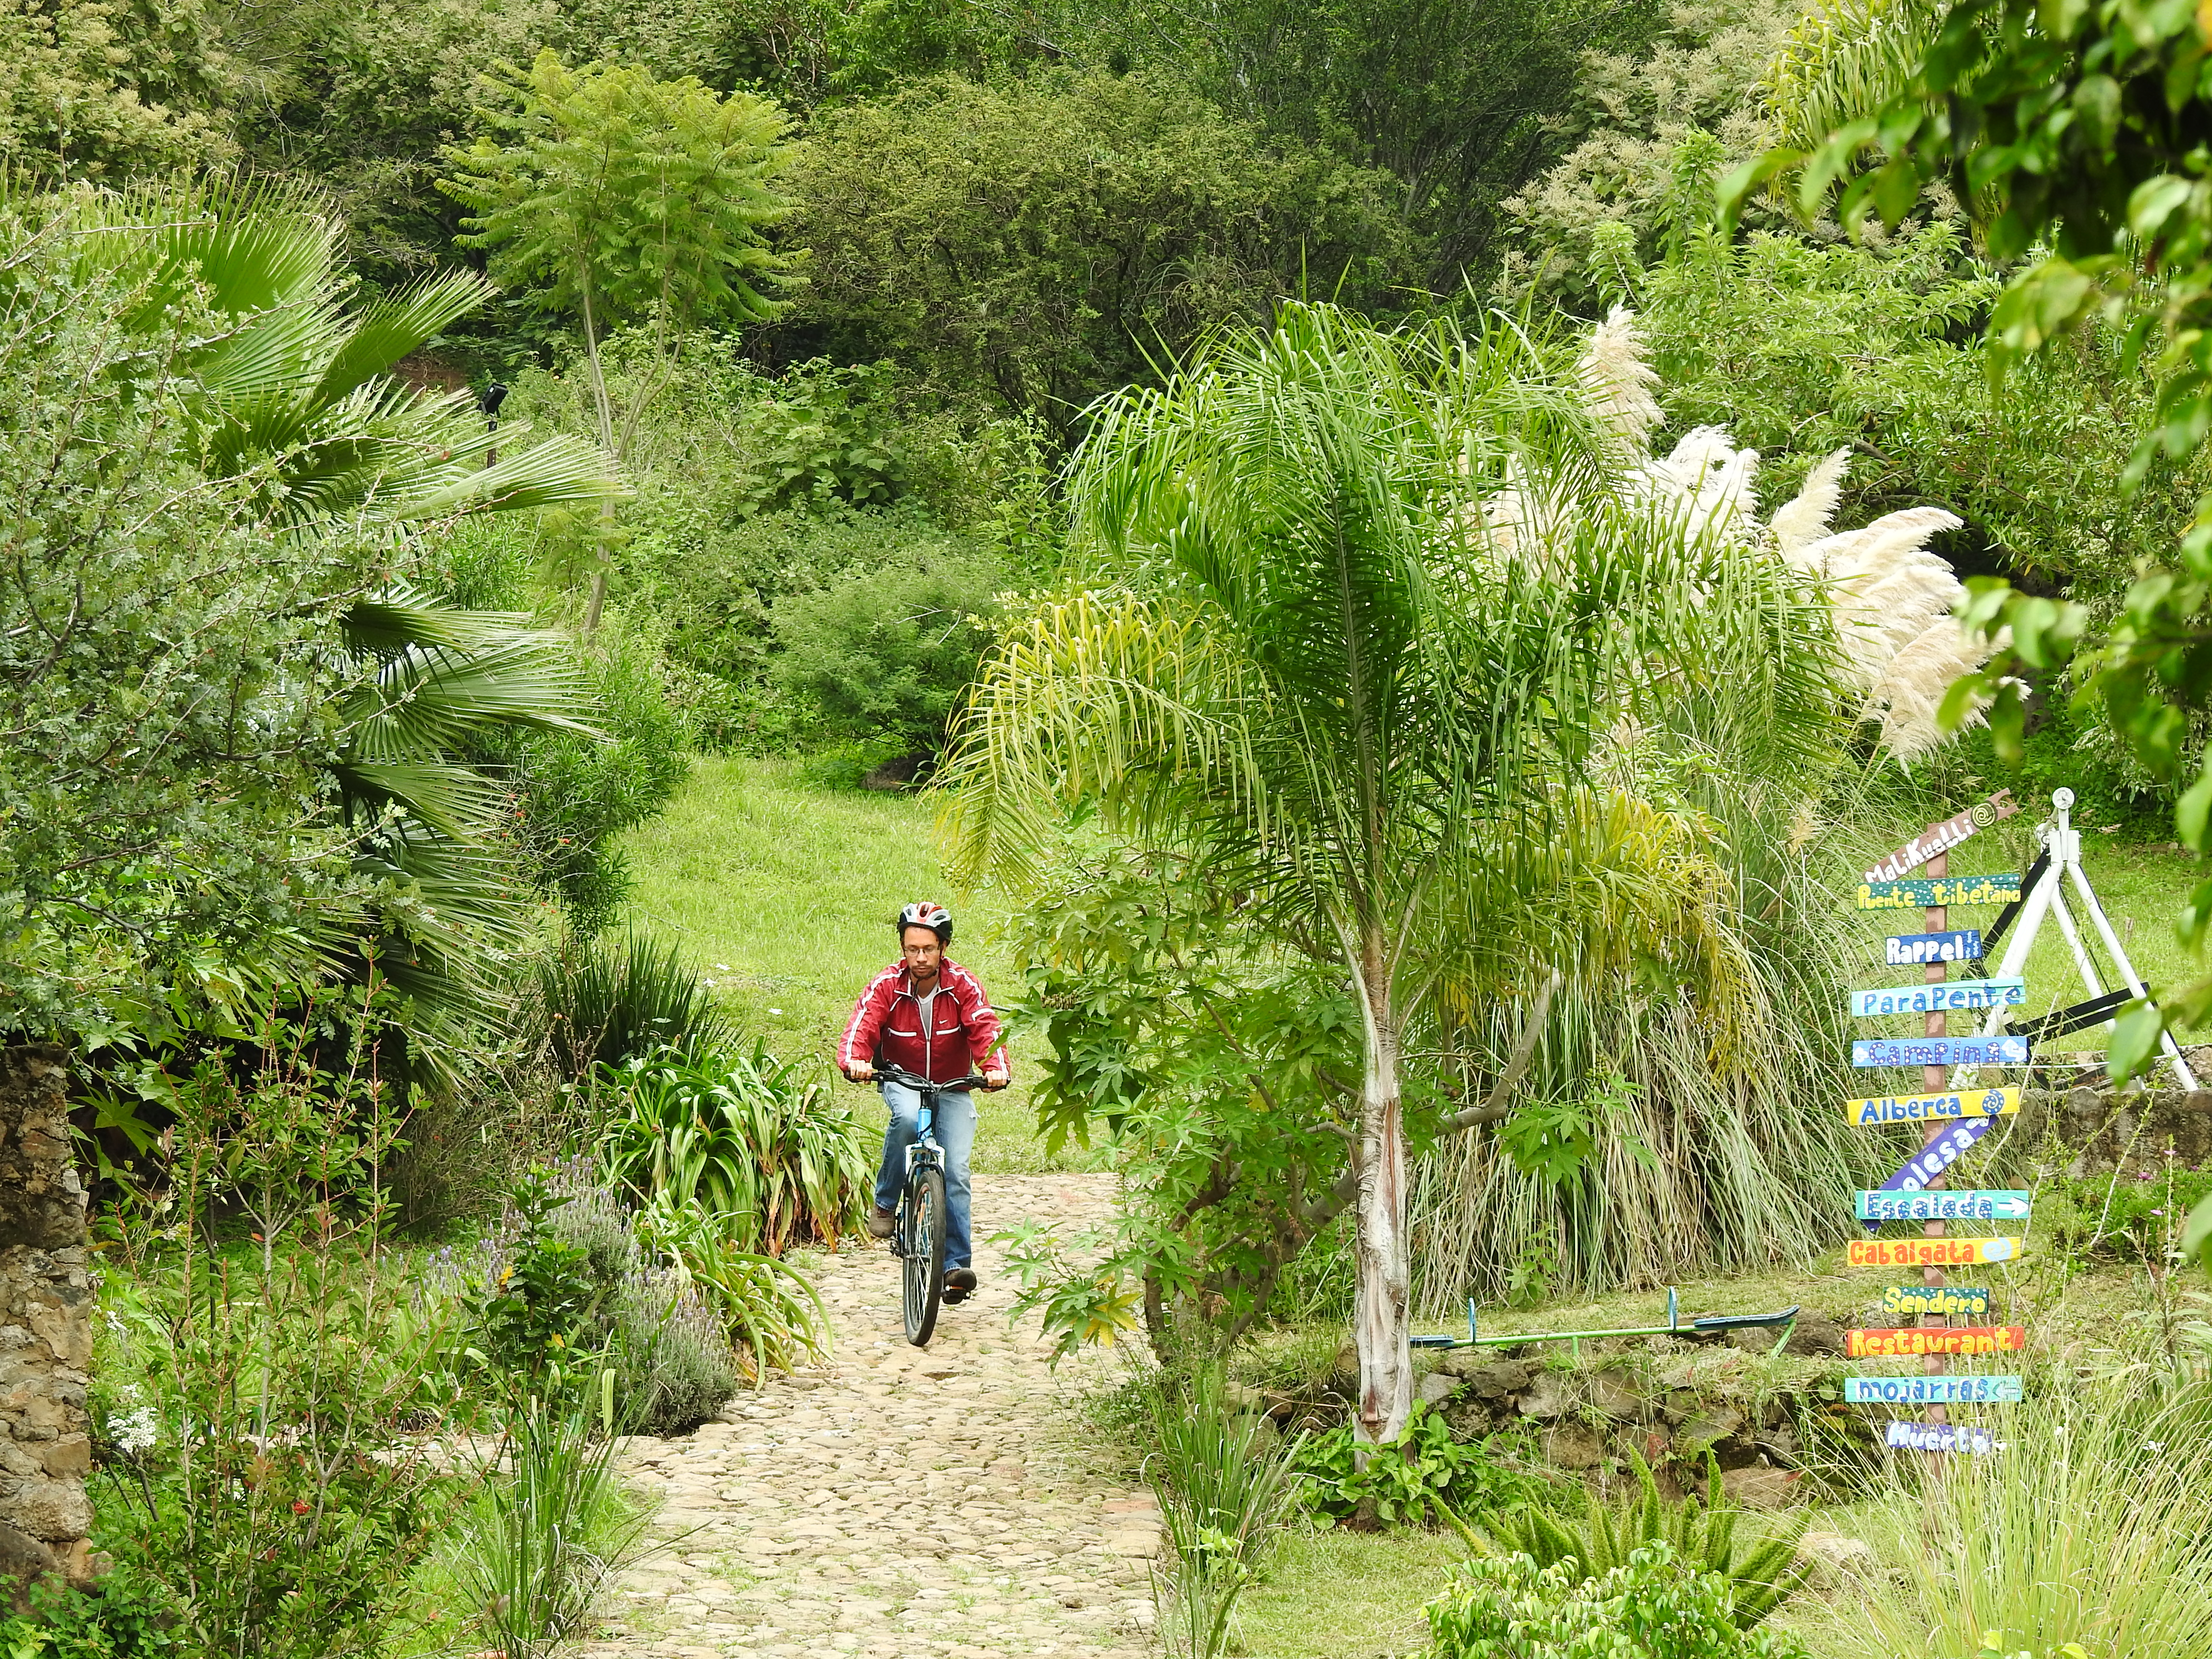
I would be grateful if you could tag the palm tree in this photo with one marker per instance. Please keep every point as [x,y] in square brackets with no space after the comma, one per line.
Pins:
[1314,652]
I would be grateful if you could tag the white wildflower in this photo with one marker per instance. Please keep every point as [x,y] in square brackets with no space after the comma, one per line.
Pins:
[135,1432]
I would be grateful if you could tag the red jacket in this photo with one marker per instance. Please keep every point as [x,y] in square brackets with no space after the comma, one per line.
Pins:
[885,1029]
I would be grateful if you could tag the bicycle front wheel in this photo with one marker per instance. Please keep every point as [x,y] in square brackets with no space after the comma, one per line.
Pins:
[925,1252]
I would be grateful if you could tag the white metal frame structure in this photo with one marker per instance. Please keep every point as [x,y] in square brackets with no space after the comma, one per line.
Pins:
[2047,898]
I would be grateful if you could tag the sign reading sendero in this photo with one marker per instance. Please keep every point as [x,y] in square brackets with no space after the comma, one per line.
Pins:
[1940,997]
[1942,1301]
[1931,1390]
[1931,1252]
[1940,890]
[1960,945]
[1940,1051]
[1908,1342]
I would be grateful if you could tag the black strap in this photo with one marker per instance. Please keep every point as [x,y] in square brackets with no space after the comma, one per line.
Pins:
[2094,1012]
[1996,930]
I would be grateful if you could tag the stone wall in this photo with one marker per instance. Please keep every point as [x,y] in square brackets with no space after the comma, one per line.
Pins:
[2130,1131]
[45,1324]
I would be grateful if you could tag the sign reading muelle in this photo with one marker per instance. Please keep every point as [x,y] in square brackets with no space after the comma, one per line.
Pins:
[1927,1108]
[1912,1340]
[1932,1390]
[1939,1051]
[1942,837]
[1924,892]
[1929,1252]
[1940,997]
[2006,1205]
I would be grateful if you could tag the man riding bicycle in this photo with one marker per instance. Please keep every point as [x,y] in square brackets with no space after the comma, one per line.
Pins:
[927,1015]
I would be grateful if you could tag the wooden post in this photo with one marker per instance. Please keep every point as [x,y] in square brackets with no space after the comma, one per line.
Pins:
[1933,1079]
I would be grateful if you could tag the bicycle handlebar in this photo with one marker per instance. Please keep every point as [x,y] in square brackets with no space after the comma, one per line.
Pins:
[900,1074]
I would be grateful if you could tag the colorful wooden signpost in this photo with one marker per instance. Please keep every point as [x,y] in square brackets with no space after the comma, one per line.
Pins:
[1913,1341]
[1949,890]
[1939,1437]
[1935,1301]
[1958,993]
[1929,1252]
[1939,838]
[1931,1109]
[2005,1205]
[1956,945]
[1940,1051]
[1931,1390]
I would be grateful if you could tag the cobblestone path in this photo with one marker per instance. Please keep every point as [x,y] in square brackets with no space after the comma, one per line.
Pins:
[898,1500]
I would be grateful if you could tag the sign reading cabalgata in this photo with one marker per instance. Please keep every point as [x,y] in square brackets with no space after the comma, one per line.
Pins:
[1942,837]
[1927,892]
[1870,1052]
[1910,1340]
[1929,1252]
[1930,1390]
[1940,997]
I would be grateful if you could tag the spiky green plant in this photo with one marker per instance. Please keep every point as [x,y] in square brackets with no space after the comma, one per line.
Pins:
[780,1160]
[604,1002]
[1701,1533]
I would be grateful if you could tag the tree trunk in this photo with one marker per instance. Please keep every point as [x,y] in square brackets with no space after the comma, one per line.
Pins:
[1379,1310]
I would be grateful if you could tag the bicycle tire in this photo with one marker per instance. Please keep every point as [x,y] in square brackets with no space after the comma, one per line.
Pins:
[924,1229]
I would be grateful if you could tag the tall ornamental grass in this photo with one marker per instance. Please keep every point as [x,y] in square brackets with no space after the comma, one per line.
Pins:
[2090,1525]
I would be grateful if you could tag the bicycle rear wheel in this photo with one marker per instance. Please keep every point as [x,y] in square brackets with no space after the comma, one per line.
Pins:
[923,1230]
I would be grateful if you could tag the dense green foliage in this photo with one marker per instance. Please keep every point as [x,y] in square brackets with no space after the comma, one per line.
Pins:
[1652,1606]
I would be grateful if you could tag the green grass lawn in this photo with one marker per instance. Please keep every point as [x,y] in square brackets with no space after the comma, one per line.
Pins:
[782,893]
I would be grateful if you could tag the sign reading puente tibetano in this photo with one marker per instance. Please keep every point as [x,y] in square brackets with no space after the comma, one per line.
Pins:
[1926,893]
[1942,837]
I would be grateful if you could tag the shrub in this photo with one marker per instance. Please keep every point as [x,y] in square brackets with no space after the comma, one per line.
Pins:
[782,1161]
[886,656]
[1425,1472]
[1652,1606]
[2129,1217]
[1702,1536]
[604,1004]
[127,1615]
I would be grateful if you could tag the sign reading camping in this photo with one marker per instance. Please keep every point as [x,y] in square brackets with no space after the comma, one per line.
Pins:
[1940,997]
[1942,837]
[1928,892]
[1911,1341]
[1869,1051]
[1931,1252]
[1931,1109]
[2006,1204]
[1960,945]
[1931,1390]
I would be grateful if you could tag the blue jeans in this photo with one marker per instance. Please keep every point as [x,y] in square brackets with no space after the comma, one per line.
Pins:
[954,1125]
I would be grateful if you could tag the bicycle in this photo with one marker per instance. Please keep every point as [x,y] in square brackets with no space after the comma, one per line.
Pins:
[918,1236]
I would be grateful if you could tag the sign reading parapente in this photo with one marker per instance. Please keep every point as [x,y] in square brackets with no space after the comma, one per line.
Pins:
[2007,1204]
[1912,1342]
[1941,998]
[1936,1301]
[1931,1252]
[1931,1109]
[1938,1155]
[1869,1051]
[1960,945]
[1942,837]
[1938,1438]
[1926,892]
[1932,1390]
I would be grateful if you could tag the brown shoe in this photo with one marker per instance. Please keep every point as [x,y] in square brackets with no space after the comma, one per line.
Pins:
[959,1285]
[882,1224]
